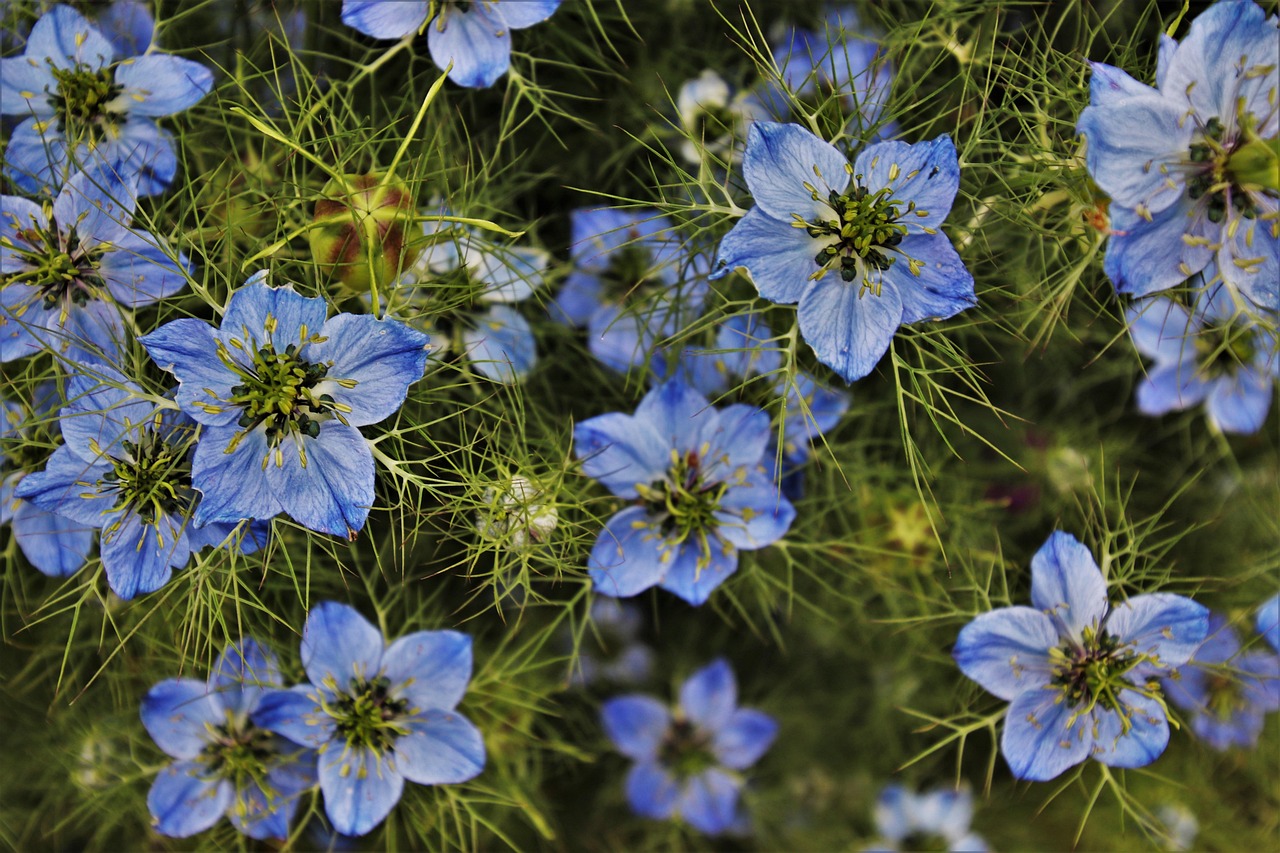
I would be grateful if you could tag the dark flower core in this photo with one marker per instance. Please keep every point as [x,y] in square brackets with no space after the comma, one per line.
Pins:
[368,716]
[84,99]
[684,502]
[923,842]
[1095,671]
[1214,180]
[151,477]
[239,750]
[630,275]
[686,750]
[55,264]
[1223,350]
[1224,696]
[278,390]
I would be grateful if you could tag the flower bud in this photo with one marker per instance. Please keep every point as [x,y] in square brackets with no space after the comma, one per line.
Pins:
[363,231]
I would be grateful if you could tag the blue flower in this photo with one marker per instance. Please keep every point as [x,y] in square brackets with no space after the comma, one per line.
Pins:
[858,247]
[632,284]
[475,37]
[378,713]
[1218,354]
[938,820]
[699,488]
[224,763]
[1078,672]
[1190,165]
[86,106]
[689,761]
[609,651]
[1227,692]
[63,264]
[714,118]
[124,469]
[56,545]
[1268,621]
[280,392]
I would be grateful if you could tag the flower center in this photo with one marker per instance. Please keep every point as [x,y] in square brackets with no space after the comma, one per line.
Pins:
[279,390]
[1215,174]
[862,235]
[367,716]
[83,99]
[1224,697]
[685,504]
[629,275]
[54,264]
[686,750]
[923,842]
[239,750]
[152,479]
[1094,672]
[1223,350]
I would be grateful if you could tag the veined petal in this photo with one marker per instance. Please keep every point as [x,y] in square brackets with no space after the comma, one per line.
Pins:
[141,269]
[128,25]
[159,84]
[1132,144]
[927,173]
[778,257]
[942,288]
[621,451]
[694,575]
[68,486]
[1133,736]
[65,38]
[1007,650]
[709,696]
[56,545]
[478,49]
[188,349]
[257,313]
[780,159]
[333,491]
[98,204]
[1067,584]
[1146,256]
[442,748]
[752,514]
[36,157]
[340,646]
[1109,85]
[184,801]
[1239,403]
[295,714]
[25,84]
[383,357]
[140,557]
[242,672]
[233,486]
[178,713]
[143,149]
[1161,625]
[429,668]
[630,554]
[501,346]
[745,736]
[636,725]
[848,327]
[359,788]
[1036,742]
[518,14]
[383,20]
[1201,72]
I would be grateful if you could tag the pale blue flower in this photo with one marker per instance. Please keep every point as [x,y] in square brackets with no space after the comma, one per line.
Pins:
[938,820]
[1268,621]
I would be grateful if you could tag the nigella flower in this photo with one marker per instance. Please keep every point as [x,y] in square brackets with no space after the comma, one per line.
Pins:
[379,714]
[632,284]
[1080,674]
[714,118]
[1226,692]
[610,650]
[280,392]
[63,263]
[689,760]
[1217,354]
[857,246]
[85,106]
[467,285]
[938,820]
[699,488]
[475,37]
[125,470]
[224,762]
[1191,164]
[1268,621]
[56,545]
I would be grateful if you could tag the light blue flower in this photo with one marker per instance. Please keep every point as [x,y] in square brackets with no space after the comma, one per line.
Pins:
[1079,673]
[223,762]
[1191,164]
[857,246]
[125,470]
[689,760]
[938,820]
[714,118]
[610,651]
[475,37]
[700,492]
[1227,692]
[379,714]
[84,106]
[66,265]
[1268,621]
[632,286]
[1217,354]
[280,392]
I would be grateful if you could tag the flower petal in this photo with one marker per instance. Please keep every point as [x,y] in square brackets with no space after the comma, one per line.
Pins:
[442,748]
[1007,650]
[242,672]
[295,714]
[159,84]
[1161,625]
[233,486]
[1143,741]
[637,725]
[849,328]
[1067,584]
[383,20]
[629,555]
[518,14]
[694,576]
[66,39]
[780,159]
[339,646]
[1239,403]
[745,736]
[709,801]
[709,696]
[359,788]
[652,791]
[501,346]
[140,557]
[1171,388]
[98,204]
[621,451]
[778,257]
[927,173]
[56,545]
[257,314]
[752,514]
[141,269]
[943,287]
[1131,144]
[429,668]
[478,49]
[183,801]
[1036,742]
[178,713]
[383,357]
[333,492]
[1146,256]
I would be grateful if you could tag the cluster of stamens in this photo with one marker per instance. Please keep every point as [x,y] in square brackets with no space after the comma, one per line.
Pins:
[279,391]
[1093,672]
[238,750]
[1212,179]
[1224,696]
[685,749]
[367,716]
[56,265]
[683,500]
[630,267]
[1223,350]
[152,477]
[84,99]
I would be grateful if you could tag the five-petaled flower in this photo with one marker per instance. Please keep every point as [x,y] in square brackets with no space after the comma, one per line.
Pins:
[689,761]
[1080,674]
[473,37]
[85,106]
[938,820]
[857,246]
[1191,165]
[699,488]
[224,763]
[379,714]
[280,392]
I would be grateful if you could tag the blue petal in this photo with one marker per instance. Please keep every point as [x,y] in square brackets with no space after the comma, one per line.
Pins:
[333,492]
[578,299]
[383,20]
[728,443]
[629,556]
[99,417]
[141,269]
[778,258]
[811,410]
[621,452]
[893,812]
[67,486]
[179,714]
[1067,584]
[128,25]
[518,14]
[622,339]
[479,49]
[296,714]
[1249,259]
[943,287]
[1109,85]
[849,328]
[35,160]
[709,696]
[429,668]
[1147,256]
[57,546]
[780,159]
[509,273]
[183,801]
[233,486]
[1199,70]
[1160,329]
[360,789]
[1007,650]
[637,725]
[67,39]
[384,357]
[1036,742]
[1268,621]
[98,204]
[1133,146]
[600,232]
[927,173]
[257,314]
[1164,53]
[1164,626]
[747,337]
[501,347]
[188,350]
[709,801]
[262,815]
[743,738]
[25,85]
[241,673]
[945,813]
[145,150]
[140,558]
[1239,403]
[1144,739]
[675,414]
[441,748]
[652,791]
[160,85]
[1171,388]
[752,514]
[694,576]
[339,646]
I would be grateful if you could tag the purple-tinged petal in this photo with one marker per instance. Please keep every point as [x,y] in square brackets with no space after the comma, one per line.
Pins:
[637,725]
[128,25]
[1109,85]
[1268,621]
[340,646]
[1007,650]
[1131,147]
[652,791]
[1067,584]
[184,801]
[359,787]
[752,514]
[179,714]
[442,748]
[1036,742]
[694,576]
[743,738]
[1171,388]
[1145,256]
[1161,329]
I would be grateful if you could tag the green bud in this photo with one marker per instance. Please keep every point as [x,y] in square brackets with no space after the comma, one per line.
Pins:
[1256,164]
[362,232]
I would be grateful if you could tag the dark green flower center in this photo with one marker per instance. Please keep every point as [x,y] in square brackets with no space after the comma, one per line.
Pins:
[1095,671]
[84,99]
[279,389]
[56,264]
[712,122]
[683,500]
[239,750]
[368,716]
[686,750]
[1224,696]
[153,477]
[1226,173]
[923,842]
[630,275]
[1223,350]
